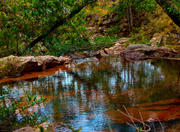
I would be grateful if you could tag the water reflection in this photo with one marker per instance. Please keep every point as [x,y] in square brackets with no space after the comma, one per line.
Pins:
[88,94]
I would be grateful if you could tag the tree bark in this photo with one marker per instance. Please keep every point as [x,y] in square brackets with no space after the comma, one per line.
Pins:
[57,24]
[129,18]
[171,9]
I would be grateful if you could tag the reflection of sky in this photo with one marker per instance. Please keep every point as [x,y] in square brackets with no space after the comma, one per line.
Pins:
[67,79]
[91,121]
[83,101]
[72,112]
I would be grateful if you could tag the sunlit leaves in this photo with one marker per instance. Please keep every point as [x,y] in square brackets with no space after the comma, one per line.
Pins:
[15,112]
[138,5]
[23,20]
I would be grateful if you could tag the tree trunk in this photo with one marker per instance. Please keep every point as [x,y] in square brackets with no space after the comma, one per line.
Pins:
[58,23]
[129,18]
[172,9]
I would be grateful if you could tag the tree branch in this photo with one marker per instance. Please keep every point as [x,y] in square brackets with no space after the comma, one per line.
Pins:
[57,24]
[171,10]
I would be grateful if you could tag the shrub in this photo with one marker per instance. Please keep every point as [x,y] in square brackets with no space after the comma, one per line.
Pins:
[13,115]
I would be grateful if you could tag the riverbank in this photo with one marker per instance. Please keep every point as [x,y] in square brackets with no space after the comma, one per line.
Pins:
[146,89]
[133,52]
[14,66]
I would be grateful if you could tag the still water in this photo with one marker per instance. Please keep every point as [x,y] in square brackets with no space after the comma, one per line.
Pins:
[97,95]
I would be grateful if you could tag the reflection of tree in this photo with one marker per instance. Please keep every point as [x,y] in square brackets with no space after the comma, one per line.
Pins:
[170,69]
[138,75]
[108,83]
[108,75]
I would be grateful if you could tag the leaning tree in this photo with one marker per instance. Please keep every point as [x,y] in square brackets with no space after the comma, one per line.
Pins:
[60,21]
[172,8]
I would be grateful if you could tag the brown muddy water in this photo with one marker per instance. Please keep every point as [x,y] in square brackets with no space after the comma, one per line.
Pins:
[98,95]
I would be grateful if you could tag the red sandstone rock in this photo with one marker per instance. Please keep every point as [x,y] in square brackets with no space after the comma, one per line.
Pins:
[15,66]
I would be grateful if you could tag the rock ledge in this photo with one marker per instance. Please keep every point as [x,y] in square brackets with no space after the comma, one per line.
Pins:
[13,66]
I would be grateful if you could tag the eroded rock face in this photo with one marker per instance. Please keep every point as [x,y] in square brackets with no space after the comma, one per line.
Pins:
[15,66]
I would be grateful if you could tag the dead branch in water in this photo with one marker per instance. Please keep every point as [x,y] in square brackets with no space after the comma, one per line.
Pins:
[146,127]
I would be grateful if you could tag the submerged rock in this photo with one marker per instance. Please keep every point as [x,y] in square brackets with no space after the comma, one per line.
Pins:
[13,66]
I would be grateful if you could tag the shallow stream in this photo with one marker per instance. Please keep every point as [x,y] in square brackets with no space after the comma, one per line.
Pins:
[97,95]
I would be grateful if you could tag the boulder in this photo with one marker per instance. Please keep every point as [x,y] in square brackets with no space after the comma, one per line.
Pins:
[13,66]
[121,41]
[142,52]
[156,39]
[136,51]
[103,53]
[80,55]
[139,46]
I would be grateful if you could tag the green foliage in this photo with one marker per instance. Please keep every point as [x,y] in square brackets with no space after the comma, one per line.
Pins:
[13,115]
[23,21]
[114,29]
[140,6]
[68,38]
[103,42]
[138,38]
[79,45]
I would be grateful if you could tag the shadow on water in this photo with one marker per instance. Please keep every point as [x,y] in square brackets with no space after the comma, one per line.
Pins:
[89,93]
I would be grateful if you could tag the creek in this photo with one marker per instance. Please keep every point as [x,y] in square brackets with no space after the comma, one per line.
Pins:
[93,94]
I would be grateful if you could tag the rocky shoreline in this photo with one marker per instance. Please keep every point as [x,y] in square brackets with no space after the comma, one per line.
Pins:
[14,66]
[132,52]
